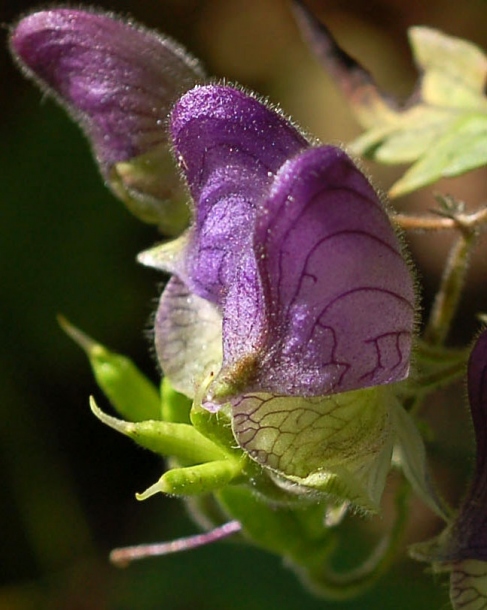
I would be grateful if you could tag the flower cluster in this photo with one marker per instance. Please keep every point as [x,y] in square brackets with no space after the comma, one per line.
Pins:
[286,329]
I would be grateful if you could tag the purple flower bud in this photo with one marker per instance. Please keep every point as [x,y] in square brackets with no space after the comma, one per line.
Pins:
[117,79]
[119,82]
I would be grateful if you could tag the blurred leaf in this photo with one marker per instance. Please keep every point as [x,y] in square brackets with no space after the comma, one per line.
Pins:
[441,128]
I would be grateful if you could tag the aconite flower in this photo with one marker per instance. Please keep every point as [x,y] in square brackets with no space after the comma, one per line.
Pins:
[291,305]
[290,298]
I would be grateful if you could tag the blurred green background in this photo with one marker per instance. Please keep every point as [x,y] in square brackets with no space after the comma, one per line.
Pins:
[67,483]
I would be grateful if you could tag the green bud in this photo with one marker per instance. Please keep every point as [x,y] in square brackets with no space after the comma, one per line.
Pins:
[129,391]
[175,406]
[169,439]
[215,426]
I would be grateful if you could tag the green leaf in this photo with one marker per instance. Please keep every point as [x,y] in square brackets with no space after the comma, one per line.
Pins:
[129,391]
[462,148]
[442,129]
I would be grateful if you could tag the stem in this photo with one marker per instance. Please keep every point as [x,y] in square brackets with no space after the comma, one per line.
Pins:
[472,220]
[342,586]
[448,296]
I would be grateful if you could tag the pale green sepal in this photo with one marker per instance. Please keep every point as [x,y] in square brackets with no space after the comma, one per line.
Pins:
[167,256]
[181,441]
[194,480]
[359,484]
[129,391]
[468,585]
[152,190]
[188,337]
[410,454]
[339,444]
[175,407]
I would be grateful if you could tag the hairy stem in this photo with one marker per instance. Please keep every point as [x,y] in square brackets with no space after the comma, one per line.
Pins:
[448,296]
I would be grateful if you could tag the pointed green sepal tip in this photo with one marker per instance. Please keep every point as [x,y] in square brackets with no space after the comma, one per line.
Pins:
[195,480]
[169,439]
[129,391]
[410,455]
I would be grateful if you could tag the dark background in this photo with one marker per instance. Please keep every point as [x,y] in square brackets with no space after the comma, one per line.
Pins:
[67,483]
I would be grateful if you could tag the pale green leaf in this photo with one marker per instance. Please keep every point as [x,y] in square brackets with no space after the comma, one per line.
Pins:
[462,148]
[442,129]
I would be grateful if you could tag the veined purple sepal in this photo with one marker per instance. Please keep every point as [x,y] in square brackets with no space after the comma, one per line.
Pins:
[462,547]
[331,305]
[119,81]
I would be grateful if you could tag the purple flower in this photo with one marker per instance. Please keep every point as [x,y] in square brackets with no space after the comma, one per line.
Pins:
[289,292]
[293,247]
[119,81]
[468,538]
[290,304]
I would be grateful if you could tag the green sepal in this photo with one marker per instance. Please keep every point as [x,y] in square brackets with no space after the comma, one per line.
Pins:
[195,480]
[168,439]
[129,391]
[215,426]
[175,407]
[138,184]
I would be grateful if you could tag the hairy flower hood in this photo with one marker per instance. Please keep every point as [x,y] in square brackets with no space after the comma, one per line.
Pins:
[290,298]
[291,305]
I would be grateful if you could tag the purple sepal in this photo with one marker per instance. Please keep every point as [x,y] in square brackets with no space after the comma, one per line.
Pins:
[230,146]
[331,306]
[117,79]
[465,538]
[468,536]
